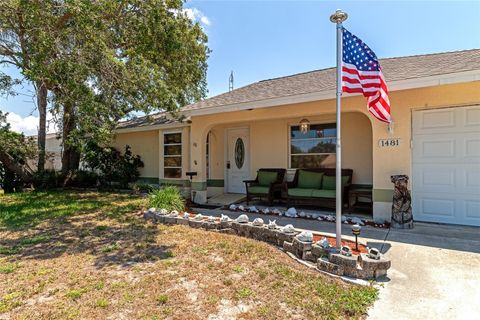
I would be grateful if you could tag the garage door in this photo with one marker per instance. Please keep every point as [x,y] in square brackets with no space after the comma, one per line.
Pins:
[446,165]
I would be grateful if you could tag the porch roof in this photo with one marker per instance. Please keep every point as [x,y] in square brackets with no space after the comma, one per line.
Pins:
[394,69]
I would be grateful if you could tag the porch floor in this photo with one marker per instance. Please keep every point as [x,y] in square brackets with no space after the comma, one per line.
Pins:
[225,199]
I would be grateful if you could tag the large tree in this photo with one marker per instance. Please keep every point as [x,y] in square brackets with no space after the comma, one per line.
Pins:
[26,44]
[104,59]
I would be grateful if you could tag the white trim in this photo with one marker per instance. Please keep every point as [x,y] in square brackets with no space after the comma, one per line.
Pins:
[163,156]
[451,78]
[289,140]
[153,127]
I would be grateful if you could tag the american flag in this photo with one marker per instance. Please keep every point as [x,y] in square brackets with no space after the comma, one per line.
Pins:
[361,73]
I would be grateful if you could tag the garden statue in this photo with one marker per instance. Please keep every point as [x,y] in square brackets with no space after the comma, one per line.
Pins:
[402,203]
[346,251]
[373,253]
[243,218]
[258,222]
[288,229]
[272,224]
[224,218]
[324,243]
[305,236]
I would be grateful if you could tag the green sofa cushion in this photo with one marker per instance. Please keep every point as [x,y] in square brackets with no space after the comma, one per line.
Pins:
[265,178]
[323,193]
[328,182]
[309,179]
[258,189]
[300,192]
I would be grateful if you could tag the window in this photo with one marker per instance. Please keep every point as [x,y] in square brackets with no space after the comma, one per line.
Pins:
[315,148]
[172,155]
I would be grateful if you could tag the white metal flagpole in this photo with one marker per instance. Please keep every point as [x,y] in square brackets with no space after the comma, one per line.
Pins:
[338,17]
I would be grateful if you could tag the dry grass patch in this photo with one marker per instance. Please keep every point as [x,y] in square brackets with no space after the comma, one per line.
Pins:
[109,263]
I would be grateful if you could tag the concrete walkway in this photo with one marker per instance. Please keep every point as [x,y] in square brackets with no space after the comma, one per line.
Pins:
[435,270]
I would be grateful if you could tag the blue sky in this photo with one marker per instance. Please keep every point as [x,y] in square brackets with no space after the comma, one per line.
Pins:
[266,39]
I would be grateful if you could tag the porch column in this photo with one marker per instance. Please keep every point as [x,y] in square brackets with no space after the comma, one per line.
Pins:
[388,160]
[198,161]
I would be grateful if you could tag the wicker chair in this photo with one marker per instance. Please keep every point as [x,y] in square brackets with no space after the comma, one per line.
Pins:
[268,182]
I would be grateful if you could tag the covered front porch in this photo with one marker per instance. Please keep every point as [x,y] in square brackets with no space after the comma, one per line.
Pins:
[233,151]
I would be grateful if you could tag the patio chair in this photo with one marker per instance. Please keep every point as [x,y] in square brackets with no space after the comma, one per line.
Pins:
[266,184]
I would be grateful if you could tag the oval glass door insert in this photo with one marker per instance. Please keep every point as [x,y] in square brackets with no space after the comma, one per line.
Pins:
[239,153]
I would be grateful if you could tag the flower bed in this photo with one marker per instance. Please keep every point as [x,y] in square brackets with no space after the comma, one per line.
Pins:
[333,242]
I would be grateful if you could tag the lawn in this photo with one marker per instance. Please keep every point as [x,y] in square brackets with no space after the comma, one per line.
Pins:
[67,255]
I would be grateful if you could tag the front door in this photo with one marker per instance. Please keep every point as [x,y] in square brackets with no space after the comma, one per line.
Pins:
[237,164]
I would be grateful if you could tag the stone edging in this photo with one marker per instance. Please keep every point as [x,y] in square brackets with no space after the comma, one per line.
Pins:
[326,259]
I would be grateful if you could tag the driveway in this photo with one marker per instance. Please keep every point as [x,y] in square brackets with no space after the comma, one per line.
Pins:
[435,271]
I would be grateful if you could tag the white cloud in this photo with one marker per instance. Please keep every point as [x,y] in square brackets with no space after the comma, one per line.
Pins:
[28,125]
[196,15]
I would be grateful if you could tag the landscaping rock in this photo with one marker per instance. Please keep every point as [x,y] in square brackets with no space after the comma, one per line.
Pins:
[148,215]
[169,219]
[346,262]
[325,265]
[195,223]
[378,268]
[183,221]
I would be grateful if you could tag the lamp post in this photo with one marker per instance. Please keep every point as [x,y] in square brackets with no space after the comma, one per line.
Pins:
[356,229]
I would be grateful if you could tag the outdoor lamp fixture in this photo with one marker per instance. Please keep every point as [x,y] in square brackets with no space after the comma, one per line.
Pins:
[356,232]
[304,126]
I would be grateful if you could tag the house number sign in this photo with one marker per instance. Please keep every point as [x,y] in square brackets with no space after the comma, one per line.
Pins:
[392,142]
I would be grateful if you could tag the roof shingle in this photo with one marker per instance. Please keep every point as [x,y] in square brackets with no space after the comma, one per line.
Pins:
[399,68]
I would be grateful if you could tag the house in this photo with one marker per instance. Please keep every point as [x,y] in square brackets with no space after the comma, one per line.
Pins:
[435,137]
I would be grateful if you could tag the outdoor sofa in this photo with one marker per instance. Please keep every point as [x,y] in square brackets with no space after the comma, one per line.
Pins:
[317,186]
[269,181]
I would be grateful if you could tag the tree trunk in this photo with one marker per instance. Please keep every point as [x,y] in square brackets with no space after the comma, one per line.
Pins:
[9,181]
[71,154]
[42,124]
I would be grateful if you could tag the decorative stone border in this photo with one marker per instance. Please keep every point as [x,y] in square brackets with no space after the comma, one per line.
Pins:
[327,259]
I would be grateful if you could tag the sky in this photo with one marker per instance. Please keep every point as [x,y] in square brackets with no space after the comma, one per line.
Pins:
[260,40]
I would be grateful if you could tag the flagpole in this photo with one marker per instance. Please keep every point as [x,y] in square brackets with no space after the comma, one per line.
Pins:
[338,17]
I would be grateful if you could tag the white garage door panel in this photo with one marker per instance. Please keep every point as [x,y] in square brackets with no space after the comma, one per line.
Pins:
[446,165]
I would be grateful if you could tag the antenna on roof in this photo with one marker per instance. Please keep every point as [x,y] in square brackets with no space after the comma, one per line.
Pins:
[230,82]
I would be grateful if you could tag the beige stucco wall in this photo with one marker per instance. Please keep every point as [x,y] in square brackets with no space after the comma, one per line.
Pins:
[145,144]
[269,145]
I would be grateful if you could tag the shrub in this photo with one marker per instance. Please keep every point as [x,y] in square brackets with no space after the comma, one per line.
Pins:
[168,198]
[47,179]
[84,179]
[111,165]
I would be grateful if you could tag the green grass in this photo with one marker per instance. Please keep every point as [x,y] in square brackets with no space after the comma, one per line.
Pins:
[162,298]
[244,293]
[8,267]
[102,303]
[28,209]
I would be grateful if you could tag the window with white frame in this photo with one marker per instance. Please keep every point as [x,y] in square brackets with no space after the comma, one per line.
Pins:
[314,148]
[172,155]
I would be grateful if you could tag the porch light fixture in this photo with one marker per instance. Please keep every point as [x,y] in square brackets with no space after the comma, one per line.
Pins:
[304,126]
